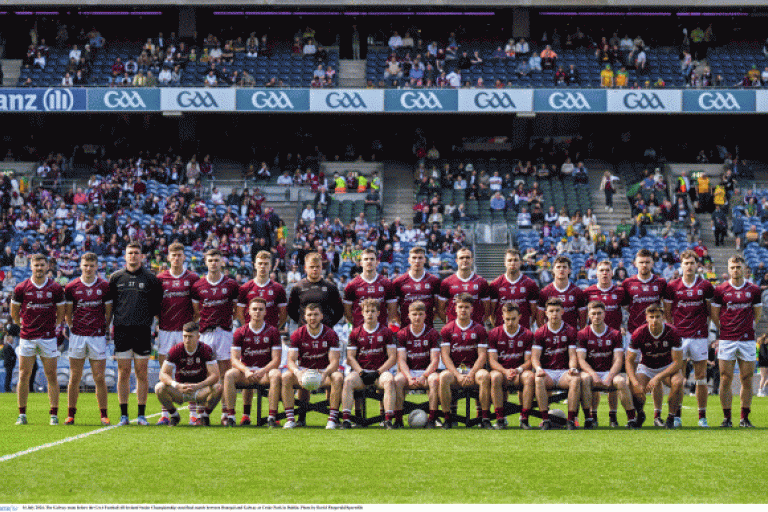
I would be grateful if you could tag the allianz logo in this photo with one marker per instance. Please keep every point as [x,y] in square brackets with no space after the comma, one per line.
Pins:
[271,100]
[420,100]
[643,101]
[196,99]
[53,100]
[718,101]
[494,100]
[124,99]
[568,101]
[345,100]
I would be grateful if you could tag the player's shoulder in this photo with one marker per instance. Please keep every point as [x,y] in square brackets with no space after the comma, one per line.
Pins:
[640,331]
[541,331]
[176,350]
[585,332]
[571,331]
[206,351]
[496,283]
[165,274]
[329,333]
[73,284]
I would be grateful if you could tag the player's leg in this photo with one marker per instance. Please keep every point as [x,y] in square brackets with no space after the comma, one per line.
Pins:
[746,373]
[224,367]
[209,397]
[726,396]
[542,384]
[140,368]
[247,405]
[274,379]
[763,381]
[446,381]
[400,384]
[26,362]
[165,341]
[231,379]
[290,381]
[625,395]
[123,383]
[433,395]
[168,396]
[528,382]
[483,381]
[658,403]
[352,382]
[73,387]
[336,382]
[99,367]
[638,392]
[613,403]
[49,368]
[573,385]
[497,397]
[676,384]
[586,399]
[386,383]
[702,389]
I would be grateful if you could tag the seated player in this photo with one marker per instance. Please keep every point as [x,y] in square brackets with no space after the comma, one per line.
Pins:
[465,351]
[555,364]
[418,355]
[371,353]
[313,346]
[256,352]
[190,373]
[661,350]
[601,356]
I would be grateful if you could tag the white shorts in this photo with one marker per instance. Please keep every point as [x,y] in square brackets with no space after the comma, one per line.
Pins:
[417,373]
[602,375]
[650,372]
[556,375]
[695,349]
[92,347]
[220,341]
[41,347]
[733,350]
[167,339]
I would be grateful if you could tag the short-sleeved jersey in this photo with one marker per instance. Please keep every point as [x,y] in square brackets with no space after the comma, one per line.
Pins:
[524,292]
[88,306]
[38,308]
[371,346]
[216,302]
[737,316]
[190,367]
[574,301]
[510,348]
[655,350]
[314,350]
[272,292]
[690,314]
[418,347]
[613,298]
[177,299]
[639,295]
[256,346]
[600,348]
[554,345]
[408,290]
[464,342]
[359,289]
[475,286]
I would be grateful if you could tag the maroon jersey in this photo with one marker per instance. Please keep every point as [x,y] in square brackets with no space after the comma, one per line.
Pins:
[641,294]
[655,350]
[524,292]
[176,307]
[475,286]
[256,346]
[418,347]
[600,348]
[313,350]
[464,342]
[88,306]
[737,316]
[554,346]
[190,367]
[371,346]
[359,289]
[511,348]
[38,308]
[690,314]
[408,290]
[272,292]
[574,301]
[613,298]
[216,301]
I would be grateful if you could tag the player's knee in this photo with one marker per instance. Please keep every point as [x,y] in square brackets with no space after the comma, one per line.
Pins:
[433,380]
[496,378]
[160,388]
[446,378]
[275,377]
[619,381]
[337,378]
[528,378]
[483,377]
[574,384]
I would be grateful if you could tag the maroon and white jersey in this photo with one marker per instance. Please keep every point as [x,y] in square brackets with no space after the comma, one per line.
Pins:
[313,350]
[690,314]
[216,302]
[272,292]
[737,316]
[655,350]
[613,298]
[418,347]
[641,294]
[192,367]
[524,292]
[408,290]
[464,342]
[359,289]
[574,302]
[600,348]
[256,346]
[371,346]
[554,345]
[38,308]
[88,306]
[176,307]
[511,348]
[475,286]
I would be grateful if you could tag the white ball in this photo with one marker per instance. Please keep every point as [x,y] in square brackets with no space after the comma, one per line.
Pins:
[558,412]
[311,380]
[417,418]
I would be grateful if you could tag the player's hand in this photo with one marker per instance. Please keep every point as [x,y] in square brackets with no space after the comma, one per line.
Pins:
[761,340]
[652,384]
[259,374]
[511,374]
[573,371]
[623,331]
[607,382]
[540,372]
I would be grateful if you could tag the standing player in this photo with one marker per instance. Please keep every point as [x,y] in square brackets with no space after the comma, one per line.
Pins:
[314,346]
[686,306]
[87,308]
[736,309]
[370,285]
[517,288]
[414,285]
[38,307]
[465,351]
[573,299]
[662,361]
[176,310]
[465,281]
[256,354]
[509,355]
[555,364]
[313,289]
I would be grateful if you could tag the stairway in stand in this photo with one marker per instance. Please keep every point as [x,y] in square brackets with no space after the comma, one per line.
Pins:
[621,207]
[398,195]
[489,260]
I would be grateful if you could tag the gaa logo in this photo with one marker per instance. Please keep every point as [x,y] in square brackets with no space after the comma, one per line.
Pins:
[196,99]
[420,100]
[643,101]
[569,101]
[345,100]
[494,100]
[58,99]
[718,101]
[271,100]
[124,99]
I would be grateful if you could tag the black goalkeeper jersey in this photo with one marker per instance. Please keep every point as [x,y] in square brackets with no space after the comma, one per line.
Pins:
[323,292]
[136,297]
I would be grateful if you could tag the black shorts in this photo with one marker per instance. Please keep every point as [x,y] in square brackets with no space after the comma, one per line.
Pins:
[135,340]
[762,356]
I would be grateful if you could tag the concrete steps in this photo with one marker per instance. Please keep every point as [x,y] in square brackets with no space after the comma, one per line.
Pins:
[11,72]
[489,260]
[397,200]
[352,73]
[621,207]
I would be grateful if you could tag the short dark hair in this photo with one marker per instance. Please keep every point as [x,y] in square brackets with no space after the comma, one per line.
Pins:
[464,298]
[653,308]
[554,301]
[213,252]
[509,307]
[257,300]
[133,244]
[191,327]
[596,304]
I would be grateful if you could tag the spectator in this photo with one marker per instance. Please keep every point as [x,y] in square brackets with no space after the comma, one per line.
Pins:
[573,76]
[67,81]
[606,76]
[395,41]
[535,62]
[548,57]
[522,47]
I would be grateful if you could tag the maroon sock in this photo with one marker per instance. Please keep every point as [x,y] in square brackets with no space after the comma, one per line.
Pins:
[103,413]
[702,413]
[631,414]
[432,415]
[656,413]
[572,415]
[388,416]
[745,413]
[727,414]
[545,415]
[272,413]
[524,414]
[54,411]
[72,411]
[345,415]
[246,410]
[500,414]
[486,414]
[22,410]
[399,415]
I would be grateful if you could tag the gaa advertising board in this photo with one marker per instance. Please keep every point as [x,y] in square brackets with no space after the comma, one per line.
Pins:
[273,100]
[124,100]
[197,99]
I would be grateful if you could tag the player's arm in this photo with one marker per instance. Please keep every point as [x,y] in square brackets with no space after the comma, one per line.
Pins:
[714,315]
[573,359]
[68,307]
[293,358]
[60,310]
[335,299]
[581,357]
[618,360]
[758,313]
[391,359]
[293,304]
[348,311]
[282,316]
[211,379]
[482,360]
[445,351]
[676,366]
[631,358]
[536,361]
[488,309]
[195,311]
[333,363]
[234,357]
[277,356]
[240,313]
[402,364]
[393,313]
[493,361]
[107,313]
[667,311]
[352,359]
[166,375]
[442,305]
[494,306]
[434,362]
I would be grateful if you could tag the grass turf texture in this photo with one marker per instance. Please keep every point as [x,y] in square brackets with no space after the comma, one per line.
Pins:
[311,465]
